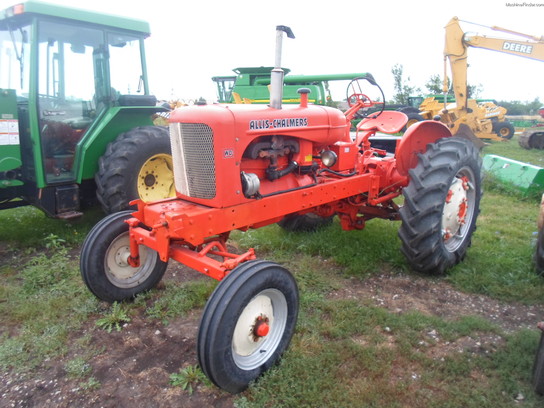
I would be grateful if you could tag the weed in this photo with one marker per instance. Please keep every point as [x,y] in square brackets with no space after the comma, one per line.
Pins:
[91,384]
[114,319]
[188,378]
[53,241]
[77,368]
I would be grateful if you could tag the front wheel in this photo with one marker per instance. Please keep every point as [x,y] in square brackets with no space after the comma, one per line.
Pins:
[104,261]
[247,324]
[442,203]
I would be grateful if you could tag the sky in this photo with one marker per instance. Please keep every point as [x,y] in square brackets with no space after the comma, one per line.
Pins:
[192,41]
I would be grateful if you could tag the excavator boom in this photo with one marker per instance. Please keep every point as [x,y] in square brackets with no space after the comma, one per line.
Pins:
[456,53]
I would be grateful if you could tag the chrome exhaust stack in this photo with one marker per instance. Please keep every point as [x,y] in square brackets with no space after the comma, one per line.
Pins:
[276,76]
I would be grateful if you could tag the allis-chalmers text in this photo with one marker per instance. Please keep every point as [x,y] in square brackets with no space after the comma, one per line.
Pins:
[277,123]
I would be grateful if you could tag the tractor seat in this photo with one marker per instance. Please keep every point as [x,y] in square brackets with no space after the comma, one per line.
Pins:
[386,122]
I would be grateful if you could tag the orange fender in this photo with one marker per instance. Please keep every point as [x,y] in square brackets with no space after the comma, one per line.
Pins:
[415,141]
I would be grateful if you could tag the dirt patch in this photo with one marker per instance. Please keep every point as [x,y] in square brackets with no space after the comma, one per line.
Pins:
[134,365]
[435,297]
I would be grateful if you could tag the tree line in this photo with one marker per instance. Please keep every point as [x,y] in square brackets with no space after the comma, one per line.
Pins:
[433,86]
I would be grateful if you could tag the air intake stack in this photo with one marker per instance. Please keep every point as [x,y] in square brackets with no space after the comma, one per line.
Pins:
[276,76]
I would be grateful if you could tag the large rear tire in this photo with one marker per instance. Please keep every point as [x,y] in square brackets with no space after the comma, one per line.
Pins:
[532,139]
[539,252]
[441,205]
[103,261]
[306,222]
[538,368]
[138,164]
[247,324]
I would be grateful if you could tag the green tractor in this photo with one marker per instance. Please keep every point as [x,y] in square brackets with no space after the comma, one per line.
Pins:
[251,85]
[76,115]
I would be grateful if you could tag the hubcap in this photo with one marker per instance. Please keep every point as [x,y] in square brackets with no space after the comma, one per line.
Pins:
[259,329]
[458,210]
[156,178]
[119,272]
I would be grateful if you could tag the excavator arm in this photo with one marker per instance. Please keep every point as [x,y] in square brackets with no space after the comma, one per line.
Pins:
[456,53]
[457,43]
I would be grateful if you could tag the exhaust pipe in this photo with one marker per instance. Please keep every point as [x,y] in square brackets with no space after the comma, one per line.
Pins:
[276,76]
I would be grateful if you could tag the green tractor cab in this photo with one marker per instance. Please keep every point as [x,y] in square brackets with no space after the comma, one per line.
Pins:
[76,115]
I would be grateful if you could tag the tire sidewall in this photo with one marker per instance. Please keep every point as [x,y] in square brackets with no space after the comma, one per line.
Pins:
[120,165]
[499,126]
[539,252]
[425,200]
[538,367]
[93,255]
[160,146]
[458,254]
[227,306]
[304,223]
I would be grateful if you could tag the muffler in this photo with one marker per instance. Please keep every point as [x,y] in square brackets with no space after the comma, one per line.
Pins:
[276,76]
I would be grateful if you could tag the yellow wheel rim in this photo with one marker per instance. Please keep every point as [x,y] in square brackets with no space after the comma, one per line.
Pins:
[156,178]
[411,122]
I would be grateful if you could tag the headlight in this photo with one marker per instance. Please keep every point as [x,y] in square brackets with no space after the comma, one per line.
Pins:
[329,158]
[250,184]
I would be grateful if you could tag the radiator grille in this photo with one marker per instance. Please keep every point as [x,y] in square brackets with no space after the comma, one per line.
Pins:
[194,162]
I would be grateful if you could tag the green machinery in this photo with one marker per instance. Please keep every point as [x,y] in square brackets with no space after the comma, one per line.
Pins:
[251,85]
[526,177]
[76,115]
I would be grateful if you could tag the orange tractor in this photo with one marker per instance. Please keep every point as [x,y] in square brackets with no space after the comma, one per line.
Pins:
[239,167]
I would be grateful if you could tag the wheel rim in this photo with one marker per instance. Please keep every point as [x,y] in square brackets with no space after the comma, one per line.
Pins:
[458,209]
[504,132]
[252,342]
[156,178]
[119,272]
[411,122]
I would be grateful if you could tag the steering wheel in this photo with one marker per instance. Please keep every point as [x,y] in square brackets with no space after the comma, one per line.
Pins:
[357,98]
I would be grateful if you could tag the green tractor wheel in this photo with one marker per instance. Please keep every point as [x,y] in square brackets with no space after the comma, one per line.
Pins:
[138,164]
[156,178]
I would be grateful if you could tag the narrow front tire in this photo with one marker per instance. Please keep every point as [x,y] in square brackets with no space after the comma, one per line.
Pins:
[247,324]
[103,261]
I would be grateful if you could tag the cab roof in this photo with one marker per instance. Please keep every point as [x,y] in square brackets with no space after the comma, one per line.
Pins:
[33,7]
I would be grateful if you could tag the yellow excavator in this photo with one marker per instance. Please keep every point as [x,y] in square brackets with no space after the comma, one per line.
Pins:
[465,116]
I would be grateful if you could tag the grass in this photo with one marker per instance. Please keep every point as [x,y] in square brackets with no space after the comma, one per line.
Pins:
[41,303]
[28,228]
[345,352]
[512,150]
